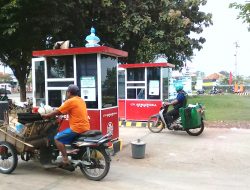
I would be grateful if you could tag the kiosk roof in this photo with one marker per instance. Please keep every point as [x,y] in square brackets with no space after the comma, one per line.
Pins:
[81,50]
[143,65]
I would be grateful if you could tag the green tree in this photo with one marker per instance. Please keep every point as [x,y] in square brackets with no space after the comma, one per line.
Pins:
[244,11]
[150,27]
[143,28]
[225,79]
[27,26]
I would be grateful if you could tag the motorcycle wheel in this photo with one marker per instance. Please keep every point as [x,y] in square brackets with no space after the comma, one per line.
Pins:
[8,158]
[155,124]
[196,131]
[96,166]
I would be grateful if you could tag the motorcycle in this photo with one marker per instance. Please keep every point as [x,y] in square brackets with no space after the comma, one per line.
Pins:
[89,150]
[156,123]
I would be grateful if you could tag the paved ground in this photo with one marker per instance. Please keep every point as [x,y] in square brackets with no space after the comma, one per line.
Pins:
[218,159]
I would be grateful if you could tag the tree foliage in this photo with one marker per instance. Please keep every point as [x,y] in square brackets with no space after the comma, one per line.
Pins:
[235,79]
[143,28]
[244,11]
[26,26]
[147,28]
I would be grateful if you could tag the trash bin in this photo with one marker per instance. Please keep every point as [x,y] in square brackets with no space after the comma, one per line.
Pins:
[4,107]
[138,149]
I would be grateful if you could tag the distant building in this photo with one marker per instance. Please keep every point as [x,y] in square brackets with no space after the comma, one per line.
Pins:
[212,80]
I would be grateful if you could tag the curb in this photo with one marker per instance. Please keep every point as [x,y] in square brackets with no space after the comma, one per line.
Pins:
[132,124]
[242,94]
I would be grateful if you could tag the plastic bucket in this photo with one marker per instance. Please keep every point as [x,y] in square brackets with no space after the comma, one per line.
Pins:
[138,149]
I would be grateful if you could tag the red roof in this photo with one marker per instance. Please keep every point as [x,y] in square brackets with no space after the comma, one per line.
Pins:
[81,50]
[214,76]
[143,65]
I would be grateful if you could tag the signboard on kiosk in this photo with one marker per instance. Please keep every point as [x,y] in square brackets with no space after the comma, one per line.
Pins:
[154,87]
[88,88]
[141,110]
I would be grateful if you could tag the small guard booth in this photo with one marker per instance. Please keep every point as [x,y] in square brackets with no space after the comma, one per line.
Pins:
[92,69]
[142,88]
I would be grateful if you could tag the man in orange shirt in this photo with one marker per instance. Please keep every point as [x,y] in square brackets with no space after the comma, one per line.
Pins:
[75,107]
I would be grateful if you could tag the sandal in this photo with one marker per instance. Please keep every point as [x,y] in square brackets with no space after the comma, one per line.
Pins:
[67,166]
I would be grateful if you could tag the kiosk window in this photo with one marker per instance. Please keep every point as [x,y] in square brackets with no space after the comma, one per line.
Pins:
[60,67]
[131,94]
[109,81]
[60,84]
[39,83]
[136,83]
[136,74]
[121,84]
[153,81]
[136,93]
[165,78]
[86,70]
[56,97]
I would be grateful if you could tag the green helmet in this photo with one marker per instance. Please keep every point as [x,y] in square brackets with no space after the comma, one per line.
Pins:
[178,87]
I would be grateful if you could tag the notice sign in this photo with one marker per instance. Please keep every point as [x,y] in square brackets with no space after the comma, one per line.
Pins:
[87,82]
[154,87]
[88,94]
[88,89]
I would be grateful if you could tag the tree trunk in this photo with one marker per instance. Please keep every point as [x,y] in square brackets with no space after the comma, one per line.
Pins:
[21,69]
[132,48]
[22,85]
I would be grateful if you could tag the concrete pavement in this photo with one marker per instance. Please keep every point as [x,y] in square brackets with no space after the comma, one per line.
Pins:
[218,159]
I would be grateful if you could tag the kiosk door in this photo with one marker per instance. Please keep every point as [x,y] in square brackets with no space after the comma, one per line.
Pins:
[38,84]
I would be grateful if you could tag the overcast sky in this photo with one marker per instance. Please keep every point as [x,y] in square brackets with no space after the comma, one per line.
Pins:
[218,52]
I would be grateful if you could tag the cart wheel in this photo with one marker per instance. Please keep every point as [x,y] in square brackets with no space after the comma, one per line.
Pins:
[8,157]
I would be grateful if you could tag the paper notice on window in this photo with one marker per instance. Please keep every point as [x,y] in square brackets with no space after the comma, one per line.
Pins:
[88,94]
[154,87]
[87,82]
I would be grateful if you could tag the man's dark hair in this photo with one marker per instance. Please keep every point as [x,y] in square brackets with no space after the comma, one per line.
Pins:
[73,90]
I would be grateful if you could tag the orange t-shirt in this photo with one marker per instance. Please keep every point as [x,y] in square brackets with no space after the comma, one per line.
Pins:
[78,117]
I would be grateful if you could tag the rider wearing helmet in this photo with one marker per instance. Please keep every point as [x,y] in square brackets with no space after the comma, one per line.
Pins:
[179,102]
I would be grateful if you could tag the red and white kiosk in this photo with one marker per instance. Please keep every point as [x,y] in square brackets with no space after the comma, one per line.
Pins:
[92,69]
[142,88]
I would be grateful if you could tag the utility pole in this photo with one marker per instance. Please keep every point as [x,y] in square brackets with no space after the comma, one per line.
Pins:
[236,48]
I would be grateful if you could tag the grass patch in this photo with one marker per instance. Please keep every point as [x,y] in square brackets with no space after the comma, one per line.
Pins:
[224,107]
